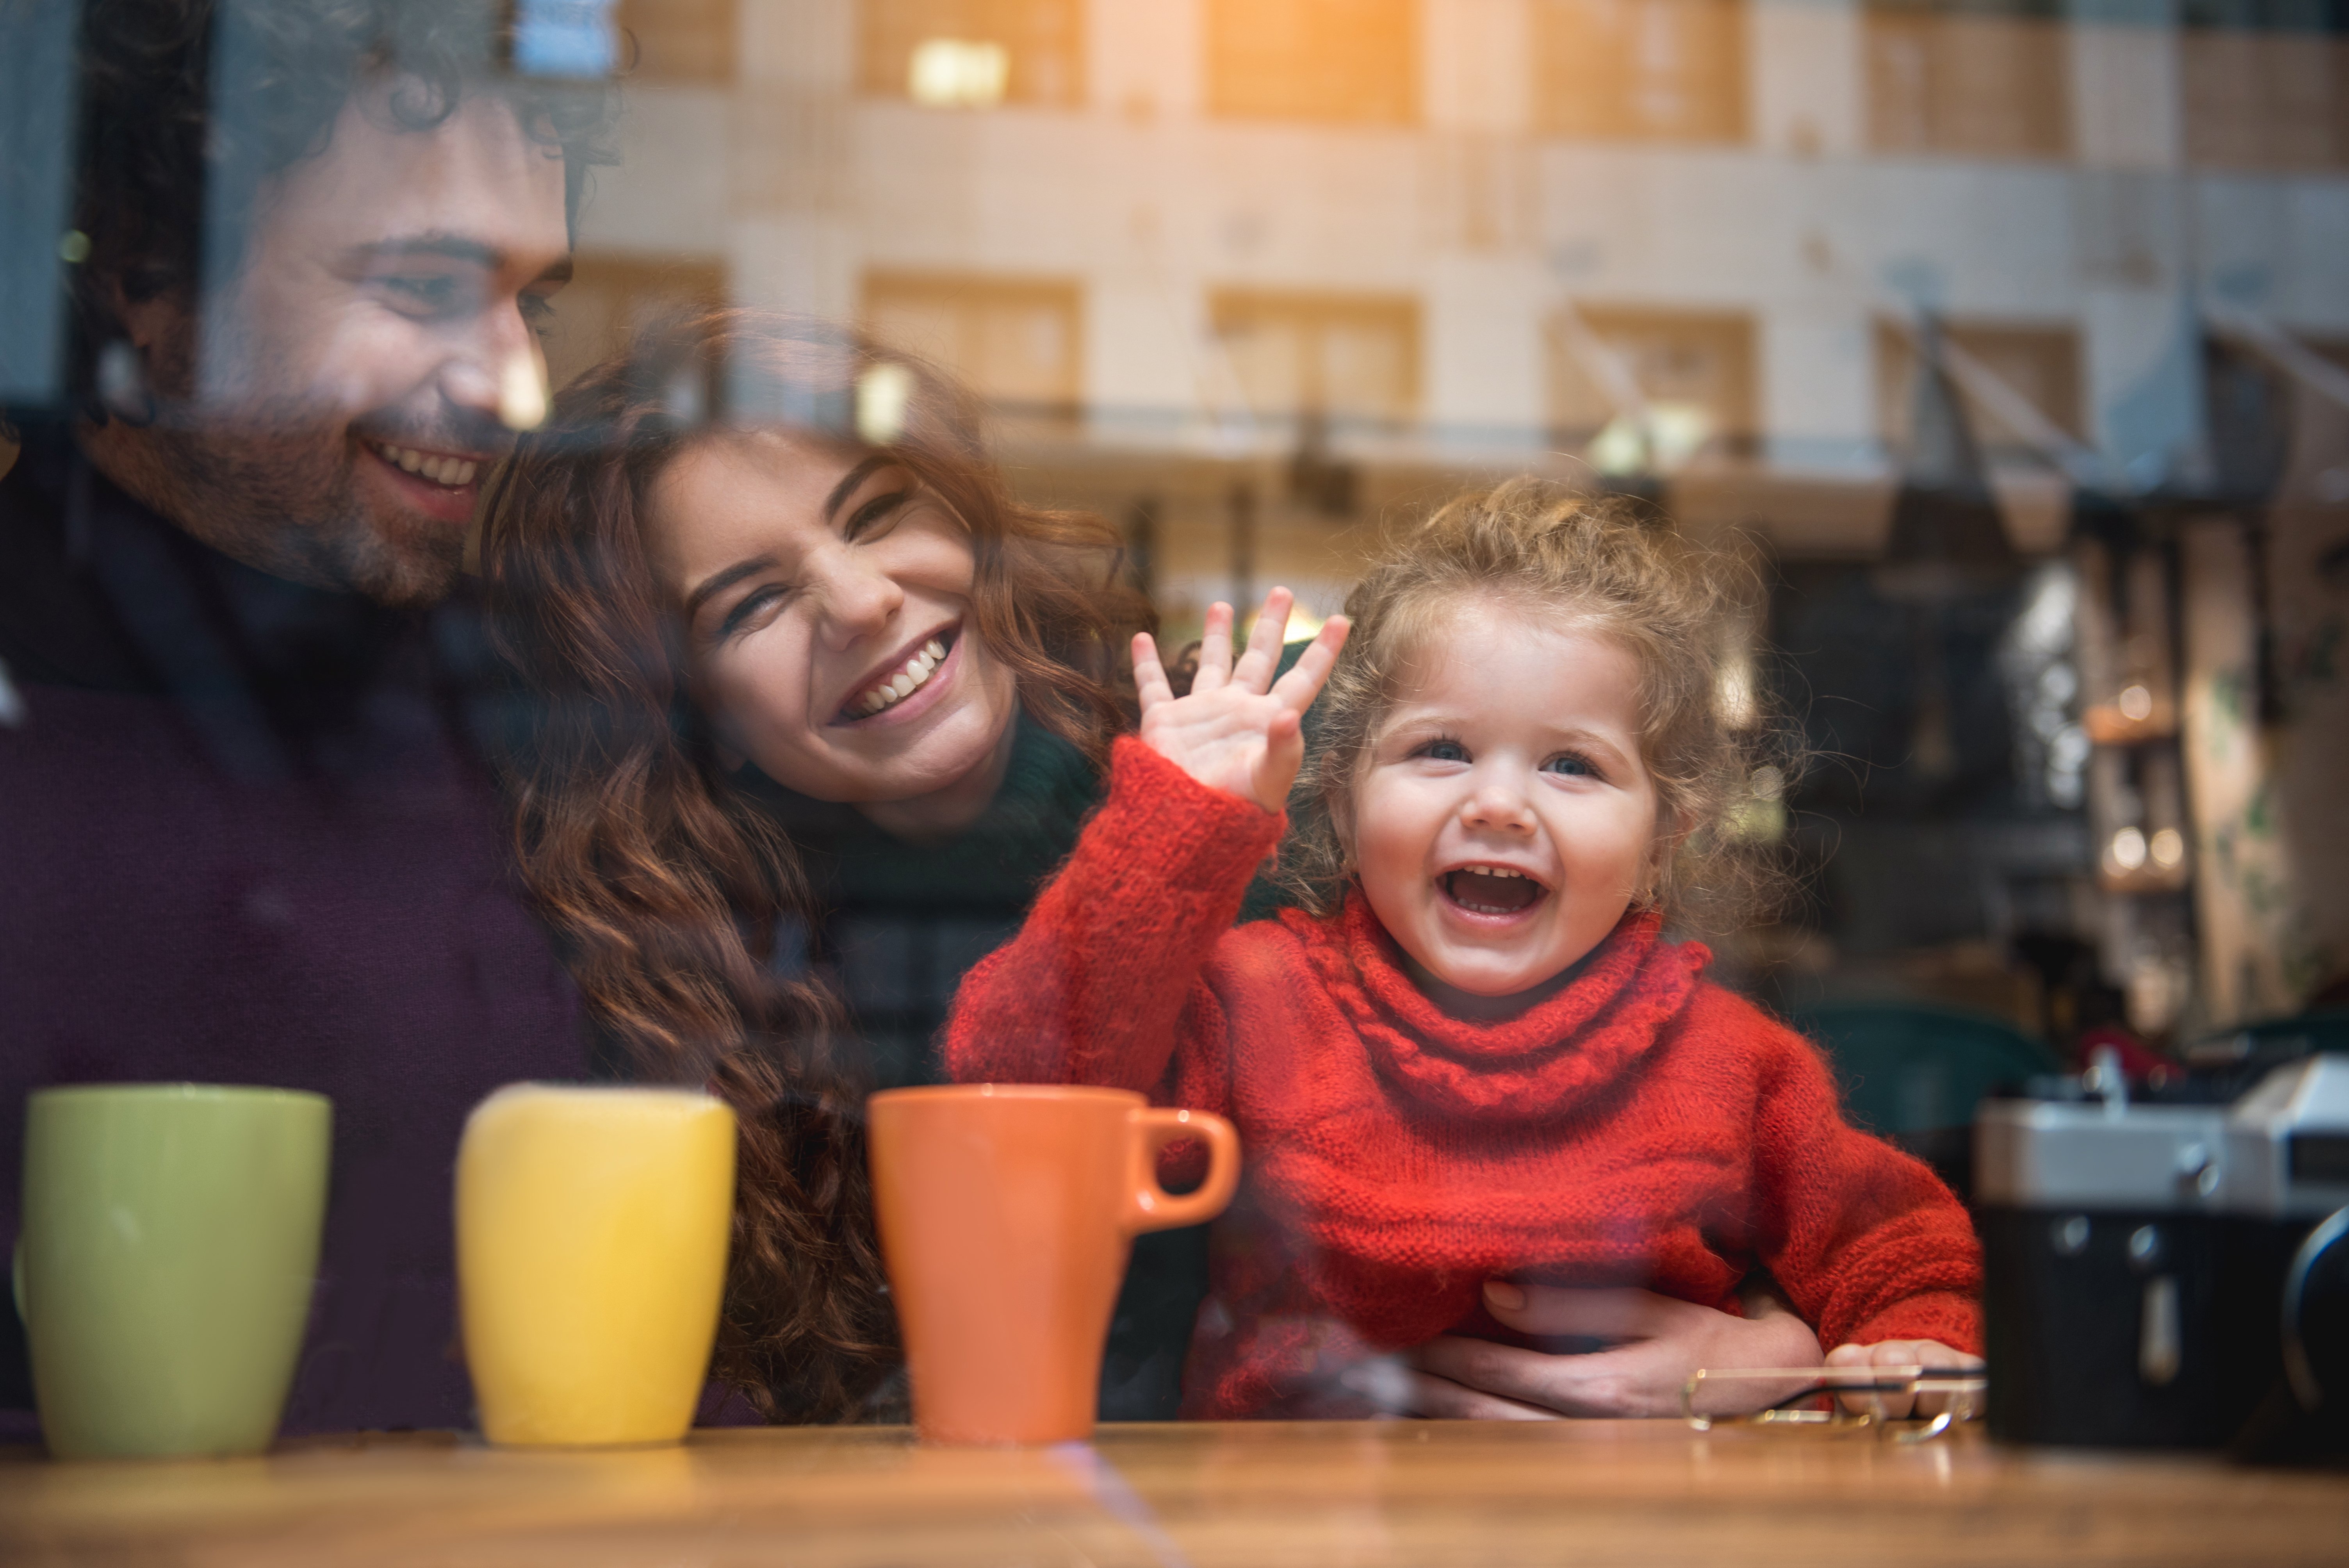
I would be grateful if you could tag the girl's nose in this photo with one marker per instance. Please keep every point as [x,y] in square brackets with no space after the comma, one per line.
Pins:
[856,601]
[1498,808]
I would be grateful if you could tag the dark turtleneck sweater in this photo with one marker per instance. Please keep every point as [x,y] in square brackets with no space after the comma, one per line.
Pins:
[247,836]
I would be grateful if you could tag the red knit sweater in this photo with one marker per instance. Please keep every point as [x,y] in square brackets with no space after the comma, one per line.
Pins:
[1639,1128]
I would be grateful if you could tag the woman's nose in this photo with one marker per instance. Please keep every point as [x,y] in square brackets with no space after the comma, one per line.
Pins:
[856,601]
[1498,807]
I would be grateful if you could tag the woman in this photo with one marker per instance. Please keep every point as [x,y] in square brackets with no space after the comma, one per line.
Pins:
[812,696]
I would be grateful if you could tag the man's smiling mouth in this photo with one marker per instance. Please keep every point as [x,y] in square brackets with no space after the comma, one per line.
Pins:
[1491,890]
[448,472]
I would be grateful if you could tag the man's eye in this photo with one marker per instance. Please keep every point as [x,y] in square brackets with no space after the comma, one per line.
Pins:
[429,295]
[1570,765]
[537,312]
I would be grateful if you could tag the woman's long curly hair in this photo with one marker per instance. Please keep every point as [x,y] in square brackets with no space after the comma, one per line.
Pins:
[1586,564]
[667,887]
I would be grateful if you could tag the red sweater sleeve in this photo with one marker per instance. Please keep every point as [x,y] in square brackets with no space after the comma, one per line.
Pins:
[1105,978]
[1868,1244]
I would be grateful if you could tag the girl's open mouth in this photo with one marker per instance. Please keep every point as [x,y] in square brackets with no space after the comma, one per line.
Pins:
[901,680]
[1491,890]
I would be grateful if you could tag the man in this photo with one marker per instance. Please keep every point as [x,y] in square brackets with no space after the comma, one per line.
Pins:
[246,830]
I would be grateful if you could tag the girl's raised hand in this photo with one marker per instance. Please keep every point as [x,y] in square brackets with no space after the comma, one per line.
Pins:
[1238,730]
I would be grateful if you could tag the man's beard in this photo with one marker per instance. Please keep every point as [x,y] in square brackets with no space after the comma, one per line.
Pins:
[276,485]
[287,497]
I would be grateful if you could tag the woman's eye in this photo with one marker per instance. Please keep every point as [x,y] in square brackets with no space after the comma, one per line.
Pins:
[750,608]
[1571,765]
[874,516]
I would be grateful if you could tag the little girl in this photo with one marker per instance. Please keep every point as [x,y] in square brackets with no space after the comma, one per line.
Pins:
[1471,1057]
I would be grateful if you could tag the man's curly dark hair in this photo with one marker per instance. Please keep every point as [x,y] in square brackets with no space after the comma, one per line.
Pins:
[188,106]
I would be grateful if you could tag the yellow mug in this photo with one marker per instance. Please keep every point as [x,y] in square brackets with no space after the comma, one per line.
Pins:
[591,1257]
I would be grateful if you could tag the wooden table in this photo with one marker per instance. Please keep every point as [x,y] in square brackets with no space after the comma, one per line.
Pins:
[1634,1492]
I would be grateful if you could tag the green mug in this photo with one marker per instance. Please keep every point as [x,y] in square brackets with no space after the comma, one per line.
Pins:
[164,1273]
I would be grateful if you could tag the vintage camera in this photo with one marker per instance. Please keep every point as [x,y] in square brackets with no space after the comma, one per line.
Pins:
[2168,1271]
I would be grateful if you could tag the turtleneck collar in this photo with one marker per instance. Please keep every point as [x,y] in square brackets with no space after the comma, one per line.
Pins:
[1563,1051]
[98,593]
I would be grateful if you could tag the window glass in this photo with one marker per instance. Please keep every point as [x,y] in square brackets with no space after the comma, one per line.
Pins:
[1671,70]
[1339,60]
[605,537]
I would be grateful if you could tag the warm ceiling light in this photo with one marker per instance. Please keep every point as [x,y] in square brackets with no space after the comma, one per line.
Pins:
[884,392]
[522,392]
[958,73]
[2127,849]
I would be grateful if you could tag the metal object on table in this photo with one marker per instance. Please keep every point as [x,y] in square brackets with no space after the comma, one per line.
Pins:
[1846,1397]
[2160,1271]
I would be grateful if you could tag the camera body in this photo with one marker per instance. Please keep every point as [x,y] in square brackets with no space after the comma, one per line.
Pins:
[2156,1272]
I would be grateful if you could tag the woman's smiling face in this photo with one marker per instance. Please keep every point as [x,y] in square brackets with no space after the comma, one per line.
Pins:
[1504,819]
[826,599]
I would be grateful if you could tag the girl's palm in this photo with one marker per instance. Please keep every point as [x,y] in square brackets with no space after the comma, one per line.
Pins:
[1238,730]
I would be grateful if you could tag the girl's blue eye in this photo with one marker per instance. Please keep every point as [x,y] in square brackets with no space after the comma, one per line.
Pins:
[1444,751]
[1572,766]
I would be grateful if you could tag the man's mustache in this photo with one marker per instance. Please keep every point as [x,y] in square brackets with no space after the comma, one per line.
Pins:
[451,433]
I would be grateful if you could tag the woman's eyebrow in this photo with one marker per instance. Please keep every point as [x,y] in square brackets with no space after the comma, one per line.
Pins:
[849,481]
[719,582]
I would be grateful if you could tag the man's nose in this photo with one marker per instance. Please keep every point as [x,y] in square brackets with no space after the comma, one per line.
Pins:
[1498,807]
[856,600]
[499,372]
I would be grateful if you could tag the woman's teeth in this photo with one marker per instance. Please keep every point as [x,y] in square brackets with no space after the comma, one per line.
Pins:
[454,472]
[905,682]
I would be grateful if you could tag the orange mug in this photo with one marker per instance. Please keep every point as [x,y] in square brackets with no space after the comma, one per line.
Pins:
[1006,1214]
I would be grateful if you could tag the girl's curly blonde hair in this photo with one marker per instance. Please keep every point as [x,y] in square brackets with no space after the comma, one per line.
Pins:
[1596,565]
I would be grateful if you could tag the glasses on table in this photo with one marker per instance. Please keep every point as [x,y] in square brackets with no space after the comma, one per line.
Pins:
[1844,1396]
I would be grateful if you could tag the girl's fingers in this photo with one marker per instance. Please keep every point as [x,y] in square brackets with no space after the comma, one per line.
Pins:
[1304,682]
[1624,1381]
[1150,684]
[1283,754]
[1616,1312]
[1440,1399]
[1254,672]
[1215,650]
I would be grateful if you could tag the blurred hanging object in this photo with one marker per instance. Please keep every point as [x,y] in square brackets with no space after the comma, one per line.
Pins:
[1316,479]
[1947,541]
[1241,506]
[1946,538]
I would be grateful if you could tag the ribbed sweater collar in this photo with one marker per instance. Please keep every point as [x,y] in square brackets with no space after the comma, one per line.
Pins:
[1564,1051]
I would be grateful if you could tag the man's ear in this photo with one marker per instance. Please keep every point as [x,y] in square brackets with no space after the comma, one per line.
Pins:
[151,352]
[152,318]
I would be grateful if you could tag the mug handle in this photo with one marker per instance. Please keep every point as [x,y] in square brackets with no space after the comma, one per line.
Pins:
[1149,1206]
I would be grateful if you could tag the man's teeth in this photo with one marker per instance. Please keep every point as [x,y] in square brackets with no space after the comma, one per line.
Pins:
[904,682]
[450,471]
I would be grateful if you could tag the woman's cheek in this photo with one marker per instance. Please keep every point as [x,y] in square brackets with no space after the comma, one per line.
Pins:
[756,679]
